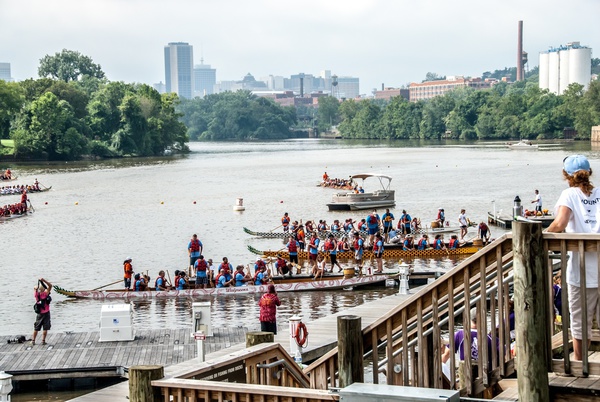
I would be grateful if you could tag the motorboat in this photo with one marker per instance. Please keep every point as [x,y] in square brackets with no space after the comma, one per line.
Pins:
[353,200]
[523,145]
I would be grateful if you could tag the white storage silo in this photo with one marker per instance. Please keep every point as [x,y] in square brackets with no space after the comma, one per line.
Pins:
[543,72]
[563,70]
[580,66]
[553,71]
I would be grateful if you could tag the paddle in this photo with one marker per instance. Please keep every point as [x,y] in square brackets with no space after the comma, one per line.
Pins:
[169,276]
[276,228]
[112,283]
[31,205]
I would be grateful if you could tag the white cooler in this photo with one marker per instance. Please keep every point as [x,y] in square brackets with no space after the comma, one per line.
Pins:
[116,323]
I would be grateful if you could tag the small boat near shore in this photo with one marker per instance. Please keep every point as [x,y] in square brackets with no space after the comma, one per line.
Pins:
[389,251]
[291,284]
[351,201]
[522,145]
[16,216]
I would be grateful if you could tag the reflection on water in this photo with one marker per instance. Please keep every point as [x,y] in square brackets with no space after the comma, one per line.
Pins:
[101,212]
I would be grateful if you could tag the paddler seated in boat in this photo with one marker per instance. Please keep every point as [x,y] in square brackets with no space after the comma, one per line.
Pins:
[361,190]
[180,280]
[259,264]
[140,283]
[319,268]
[415,225]
[322,226]
[160,284]
[301,238]
[261,277]
[309,225]
[423,243]
[453,243]
[240,277]
[335,226]
[394,237]
[438,243]
[325,177]
[342,244]
[201,269]
[408,243]
[348,226]
[282,266]
[362,225]
[224,280]
[441,218]
[225,265]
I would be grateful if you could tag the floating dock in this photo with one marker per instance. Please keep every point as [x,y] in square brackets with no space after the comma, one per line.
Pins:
[505,221]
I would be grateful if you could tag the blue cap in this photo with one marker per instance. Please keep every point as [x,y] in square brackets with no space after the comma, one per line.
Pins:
[575,163]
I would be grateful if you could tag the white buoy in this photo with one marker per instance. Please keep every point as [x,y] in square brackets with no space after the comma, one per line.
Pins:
[239,204]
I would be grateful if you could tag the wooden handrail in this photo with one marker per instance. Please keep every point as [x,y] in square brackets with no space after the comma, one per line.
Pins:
[486,275]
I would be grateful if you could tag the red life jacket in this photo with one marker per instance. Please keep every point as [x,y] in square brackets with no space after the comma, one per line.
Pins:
[356,245]
[375,247]
[453,243]
[313,241]
[225,266]
[164,281]
[256,277]
[292,246]
[280,263]
[329,245]
[285,221]
[201,265]
[422,243]
[195,246]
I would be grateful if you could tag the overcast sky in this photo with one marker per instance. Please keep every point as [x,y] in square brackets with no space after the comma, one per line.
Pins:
[380,41]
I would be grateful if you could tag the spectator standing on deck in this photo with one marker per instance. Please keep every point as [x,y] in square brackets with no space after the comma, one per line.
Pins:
[268,310]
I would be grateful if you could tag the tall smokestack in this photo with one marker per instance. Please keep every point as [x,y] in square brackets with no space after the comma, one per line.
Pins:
[382,87]
[520,75]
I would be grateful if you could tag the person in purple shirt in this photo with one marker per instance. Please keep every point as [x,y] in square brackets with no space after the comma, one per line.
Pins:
[42,320]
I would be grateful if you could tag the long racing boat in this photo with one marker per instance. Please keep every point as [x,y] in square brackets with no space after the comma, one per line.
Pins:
[292,284]
[43,190]
[282,235]
[389,251]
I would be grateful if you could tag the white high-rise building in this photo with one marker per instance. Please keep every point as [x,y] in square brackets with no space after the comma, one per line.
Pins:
[565,65]
[5,72]
[348,87]
[179,69]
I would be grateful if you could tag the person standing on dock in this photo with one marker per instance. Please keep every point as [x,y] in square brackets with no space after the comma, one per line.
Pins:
[268,310]
[194,249]
[464,224]
[441,217]
[577,211]
[537,202]
[201,269]
[484,232]
[42,319]
[378,252]
[359,249]
[127,273]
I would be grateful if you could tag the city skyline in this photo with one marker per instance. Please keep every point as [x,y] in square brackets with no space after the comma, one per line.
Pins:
[380,43]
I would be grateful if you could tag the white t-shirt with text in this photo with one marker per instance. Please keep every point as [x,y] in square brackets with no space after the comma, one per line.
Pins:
[585,218]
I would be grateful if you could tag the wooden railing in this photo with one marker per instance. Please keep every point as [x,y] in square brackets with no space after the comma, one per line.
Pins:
[264,372]
[405,347]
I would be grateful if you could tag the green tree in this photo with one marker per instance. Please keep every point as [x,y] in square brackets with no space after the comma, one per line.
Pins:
[328,113]
[69,65]
[11,100]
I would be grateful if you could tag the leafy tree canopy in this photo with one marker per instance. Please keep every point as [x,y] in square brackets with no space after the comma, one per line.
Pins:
[69,65]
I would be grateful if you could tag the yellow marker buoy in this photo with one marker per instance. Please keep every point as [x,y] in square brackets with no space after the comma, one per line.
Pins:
[76,203]
[162,202]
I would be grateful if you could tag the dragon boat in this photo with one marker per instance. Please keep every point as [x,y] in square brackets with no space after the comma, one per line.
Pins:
[16,216]
[283,235]
[389,252]
[299,283]
[43,190]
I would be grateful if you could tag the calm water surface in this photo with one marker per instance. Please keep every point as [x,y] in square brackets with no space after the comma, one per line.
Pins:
[99,213]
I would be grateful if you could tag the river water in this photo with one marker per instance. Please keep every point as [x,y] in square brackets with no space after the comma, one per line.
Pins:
[99,213]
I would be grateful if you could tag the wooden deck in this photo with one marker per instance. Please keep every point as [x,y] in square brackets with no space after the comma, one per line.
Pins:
[79,354]
[322,338]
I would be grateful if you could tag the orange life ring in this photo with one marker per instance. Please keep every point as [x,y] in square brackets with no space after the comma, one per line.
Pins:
[301,334]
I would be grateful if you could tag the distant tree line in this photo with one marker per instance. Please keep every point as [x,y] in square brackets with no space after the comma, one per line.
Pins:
[73,111]
[236,116]
[518,110]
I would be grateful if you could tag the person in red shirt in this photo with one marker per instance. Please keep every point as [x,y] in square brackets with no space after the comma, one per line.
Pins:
[268,310]
[42,320]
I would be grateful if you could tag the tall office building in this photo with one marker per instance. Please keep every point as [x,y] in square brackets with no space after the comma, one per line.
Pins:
[179,69]
[5,72]
[205,79]
[348,87]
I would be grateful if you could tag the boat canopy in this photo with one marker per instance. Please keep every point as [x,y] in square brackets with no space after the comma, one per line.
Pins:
[367,175]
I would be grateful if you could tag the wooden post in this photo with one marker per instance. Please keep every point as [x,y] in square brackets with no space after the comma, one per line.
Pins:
[140,388]
[256,338]
[532,325]
[350,350]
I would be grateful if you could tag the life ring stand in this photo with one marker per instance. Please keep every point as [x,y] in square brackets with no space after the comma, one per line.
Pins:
[301,334]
